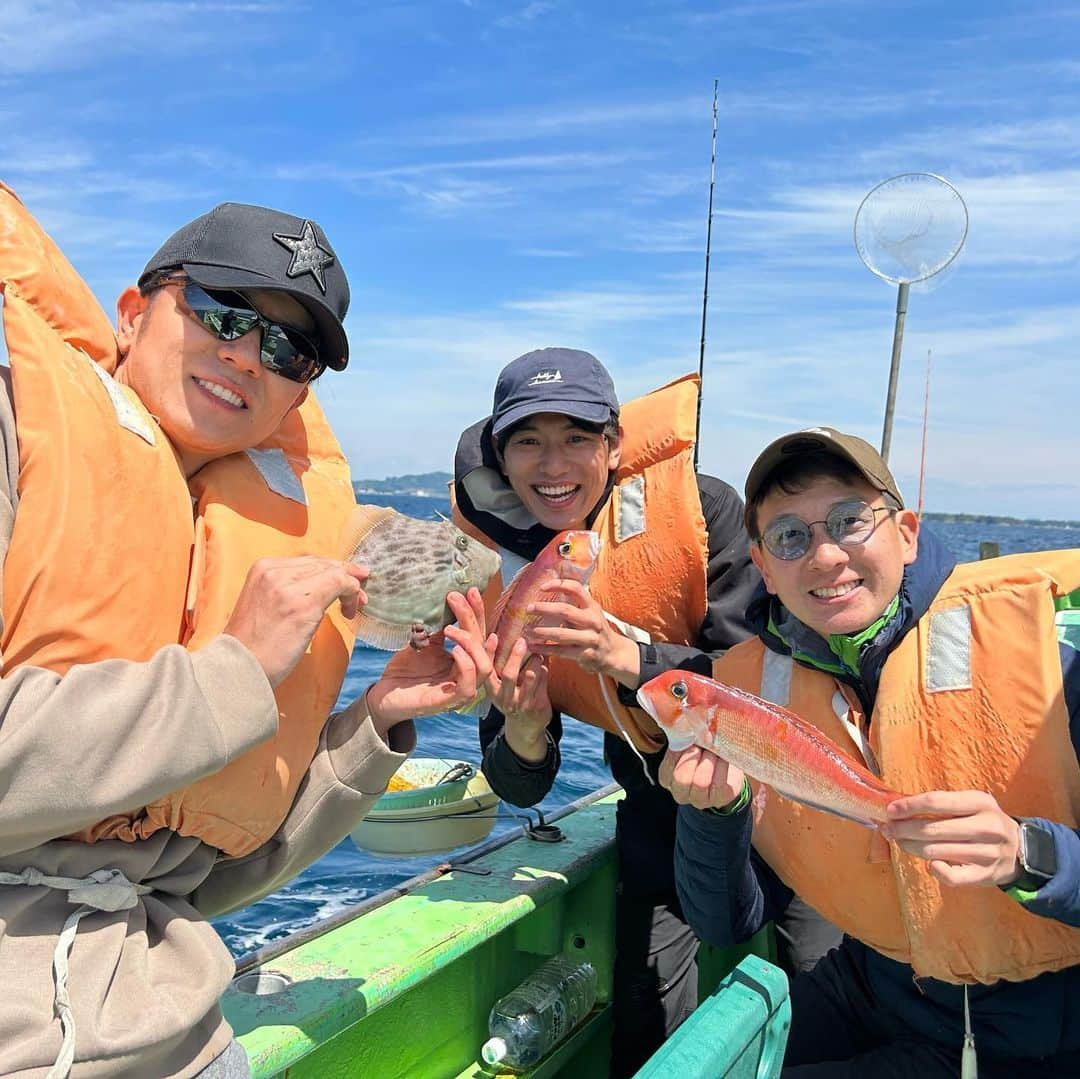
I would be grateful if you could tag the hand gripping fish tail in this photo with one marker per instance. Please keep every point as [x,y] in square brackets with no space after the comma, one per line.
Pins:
[768,743]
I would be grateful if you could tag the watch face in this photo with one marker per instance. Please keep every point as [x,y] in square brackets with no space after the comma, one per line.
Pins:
[1037,852]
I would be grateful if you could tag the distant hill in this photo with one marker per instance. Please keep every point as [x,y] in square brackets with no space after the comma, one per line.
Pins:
[993,519]
[432,484]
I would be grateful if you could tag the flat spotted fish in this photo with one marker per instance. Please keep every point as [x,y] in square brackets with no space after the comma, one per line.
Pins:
[413,565]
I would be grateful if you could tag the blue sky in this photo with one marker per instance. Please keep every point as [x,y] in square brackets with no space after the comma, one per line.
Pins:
[498,177]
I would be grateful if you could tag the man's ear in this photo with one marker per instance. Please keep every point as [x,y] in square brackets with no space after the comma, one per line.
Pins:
[759,560]
[130,307]
[907,524]
[615,450]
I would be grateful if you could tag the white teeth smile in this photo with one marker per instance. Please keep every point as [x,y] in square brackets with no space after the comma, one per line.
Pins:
[839,590]
[557,493]
[227,396]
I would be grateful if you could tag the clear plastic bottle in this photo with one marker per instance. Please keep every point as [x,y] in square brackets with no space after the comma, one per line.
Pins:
[532,1019]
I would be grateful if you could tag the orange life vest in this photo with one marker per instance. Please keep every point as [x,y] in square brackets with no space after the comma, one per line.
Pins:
[971,699]
[108,560]
[651,572]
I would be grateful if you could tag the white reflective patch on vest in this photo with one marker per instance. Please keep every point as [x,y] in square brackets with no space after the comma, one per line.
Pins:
[842,710]
[948,653]
[127,415]
[274,468]
[630,519]
[776,677]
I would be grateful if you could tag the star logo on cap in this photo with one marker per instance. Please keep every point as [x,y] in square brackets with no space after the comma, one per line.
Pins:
[308,255]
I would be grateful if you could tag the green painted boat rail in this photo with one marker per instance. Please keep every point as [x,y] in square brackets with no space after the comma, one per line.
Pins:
[402,986]
[740,1031]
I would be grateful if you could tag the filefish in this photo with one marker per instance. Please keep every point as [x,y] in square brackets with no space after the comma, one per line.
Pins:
[768,743]
[569,556]
[413,565]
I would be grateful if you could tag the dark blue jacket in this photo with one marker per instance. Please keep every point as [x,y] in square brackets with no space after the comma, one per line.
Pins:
[728,892]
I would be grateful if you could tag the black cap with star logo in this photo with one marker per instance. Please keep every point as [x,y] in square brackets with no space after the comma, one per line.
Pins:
[237,246]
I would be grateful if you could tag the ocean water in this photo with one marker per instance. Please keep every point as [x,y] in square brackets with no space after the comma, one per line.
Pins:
[346,875]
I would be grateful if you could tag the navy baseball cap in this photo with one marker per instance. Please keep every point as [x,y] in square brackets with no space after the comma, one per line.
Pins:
[237,246]
[563,380]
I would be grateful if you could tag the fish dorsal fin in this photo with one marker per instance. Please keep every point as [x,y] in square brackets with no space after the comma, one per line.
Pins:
[363,520]
[504,599]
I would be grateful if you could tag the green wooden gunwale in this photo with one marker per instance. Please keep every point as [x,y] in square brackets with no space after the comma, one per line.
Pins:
[402,985]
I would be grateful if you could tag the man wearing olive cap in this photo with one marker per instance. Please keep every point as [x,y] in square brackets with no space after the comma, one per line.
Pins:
[961,932]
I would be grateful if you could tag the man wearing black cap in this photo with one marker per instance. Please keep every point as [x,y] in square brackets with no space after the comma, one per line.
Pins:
[171,501]
[672,581]
[949,682]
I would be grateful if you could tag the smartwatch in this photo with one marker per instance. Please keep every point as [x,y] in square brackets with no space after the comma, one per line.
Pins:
[1037,856]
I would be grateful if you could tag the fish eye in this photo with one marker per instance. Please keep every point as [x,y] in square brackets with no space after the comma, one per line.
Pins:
[461,542]
[564,548]
[679,691]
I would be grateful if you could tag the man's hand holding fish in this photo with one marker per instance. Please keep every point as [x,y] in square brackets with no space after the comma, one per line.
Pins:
[432,680]
[697,777]
[967,838]
[520,691]
[577,628]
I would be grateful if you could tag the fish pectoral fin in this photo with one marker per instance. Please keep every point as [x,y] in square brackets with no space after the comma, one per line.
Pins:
[362,521]
[879,848]
[379,634]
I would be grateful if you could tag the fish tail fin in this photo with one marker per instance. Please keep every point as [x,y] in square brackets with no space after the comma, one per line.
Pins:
[362,521]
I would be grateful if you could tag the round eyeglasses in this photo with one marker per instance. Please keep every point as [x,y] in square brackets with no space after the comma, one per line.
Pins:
[849,524]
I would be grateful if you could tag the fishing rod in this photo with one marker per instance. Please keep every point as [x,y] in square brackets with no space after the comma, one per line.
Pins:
[705,294]
[925,417]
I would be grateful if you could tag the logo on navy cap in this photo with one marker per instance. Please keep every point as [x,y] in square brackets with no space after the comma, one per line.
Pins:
[545,378]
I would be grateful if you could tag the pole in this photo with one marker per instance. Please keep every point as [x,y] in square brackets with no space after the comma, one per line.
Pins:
[894,369]
[705,294]
[925,417]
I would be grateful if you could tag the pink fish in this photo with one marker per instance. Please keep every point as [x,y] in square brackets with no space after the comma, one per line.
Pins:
[768,743]
[569,556]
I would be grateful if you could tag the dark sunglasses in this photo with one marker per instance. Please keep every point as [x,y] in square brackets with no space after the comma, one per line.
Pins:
[849,524]
[283,349]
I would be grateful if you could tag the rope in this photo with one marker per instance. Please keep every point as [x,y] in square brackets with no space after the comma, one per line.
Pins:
[104,889]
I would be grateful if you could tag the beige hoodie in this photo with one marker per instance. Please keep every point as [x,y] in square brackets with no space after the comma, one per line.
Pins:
[144,982]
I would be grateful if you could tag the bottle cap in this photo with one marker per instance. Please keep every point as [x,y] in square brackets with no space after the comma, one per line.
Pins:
[493,1050]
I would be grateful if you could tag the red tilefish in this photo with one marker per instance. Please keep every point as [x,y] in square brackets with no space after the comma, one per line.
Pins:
[768,743]
[569,556]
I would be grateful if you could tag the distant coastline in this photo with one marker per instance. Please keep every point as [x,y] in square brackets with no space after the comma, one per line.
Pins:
[422,485]
[434,484]
[992,519]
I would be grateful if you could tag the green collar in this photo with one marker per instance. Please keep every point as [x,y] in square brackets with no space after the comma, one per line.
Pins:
[847,647]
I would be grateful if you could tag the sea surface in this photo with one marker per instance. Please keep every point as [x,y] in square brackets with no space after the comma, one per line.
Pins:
[347,876]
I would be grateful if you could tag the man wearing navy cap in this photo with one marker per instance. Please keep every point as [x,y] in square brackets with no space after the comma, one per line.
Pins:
[673,579]
[171,503]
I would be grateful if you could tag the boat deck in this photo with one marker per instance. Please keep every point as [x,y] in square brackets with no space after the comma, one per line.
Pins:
[404,988]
